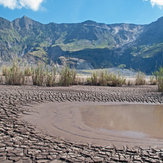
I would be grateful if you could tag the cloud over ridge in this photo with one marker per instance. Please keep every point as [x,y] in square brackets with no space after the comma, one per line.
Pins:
[31,4]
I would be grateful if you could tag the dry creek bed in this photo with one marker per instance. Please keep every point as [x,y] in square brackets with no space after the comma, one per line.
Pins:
[20,142]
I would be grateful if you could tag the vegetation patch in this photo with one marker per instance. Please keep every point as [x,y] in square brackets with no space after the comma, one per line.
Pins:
[159,77]
[140,79]
[103,78]
[13,75]
[41,75]
[67,76]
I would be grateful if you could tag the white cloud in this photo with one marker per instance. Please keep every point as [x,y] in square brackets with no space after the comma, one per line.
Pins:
[12,4]
[9,3]
[156,2]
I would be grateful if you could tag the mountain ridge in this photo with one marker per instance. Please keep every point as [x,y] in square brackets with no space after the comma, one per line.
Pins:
[123,43]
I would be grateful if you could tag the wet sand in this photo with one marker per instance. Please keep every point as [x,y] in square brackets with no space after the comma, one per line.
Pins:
[100,123]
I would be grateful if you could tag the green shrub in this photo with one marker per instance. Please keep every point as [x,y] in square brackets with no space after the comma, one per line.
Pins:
[159,78]
[67,76]
[140,79]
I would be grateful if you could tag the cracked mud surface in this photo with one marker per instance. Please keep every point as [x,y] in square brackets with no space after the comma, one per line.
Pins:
[20,142]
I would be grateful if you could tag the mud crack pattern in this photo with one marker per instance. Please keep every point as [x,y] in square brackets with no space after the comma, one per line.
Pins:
[19,141]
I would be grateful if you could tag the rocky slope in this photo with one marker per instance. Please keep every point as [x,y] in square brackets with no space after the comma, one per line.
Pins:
[83,45]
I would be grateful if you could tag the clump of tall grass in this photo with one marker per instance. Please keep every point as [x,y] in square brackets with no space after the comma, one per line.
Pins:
[103,78]
[159,78]
[81,80]
[41,76]
[93,80]
[5,70]
[51,77]
[116,79]
[67,76]
[38,75]
[28,71]
[153,80]
[13,75]
[140,79]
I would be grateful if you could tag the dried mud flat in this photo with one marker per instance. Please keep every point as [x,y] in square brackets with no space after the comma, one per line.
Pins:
[21,142]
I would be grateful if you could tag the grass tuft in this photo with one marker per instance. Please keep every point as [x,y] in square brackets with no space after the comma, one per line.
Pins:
[153,80]
[51,77]
[67,76]
[159,78]
[140,79]
[28,71]
[103,78]
[13,75]
[38,75]
[116,80]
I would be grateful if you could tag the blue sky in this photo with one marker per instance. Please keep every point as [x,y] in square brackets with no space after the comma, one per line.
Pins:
[72,11]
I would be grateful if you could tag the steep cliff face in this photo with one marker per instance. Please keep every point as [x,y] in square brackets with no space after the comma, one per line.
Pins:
[96,44]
